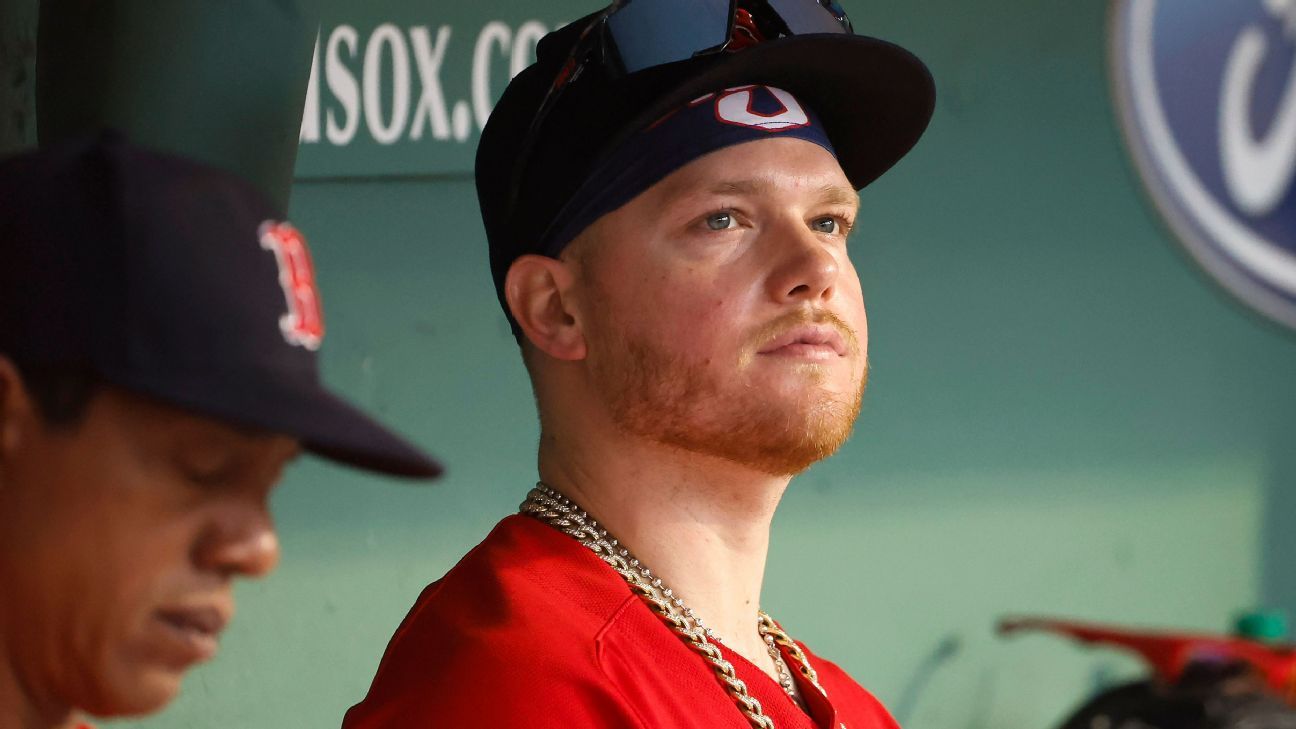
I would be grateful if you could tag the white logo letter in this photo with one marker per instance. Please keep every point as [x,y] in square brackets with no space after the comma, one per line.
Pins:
[386,35]
[343,85]
[1258,173]
[431,106]
[735,107]
[310,114]
[494,34]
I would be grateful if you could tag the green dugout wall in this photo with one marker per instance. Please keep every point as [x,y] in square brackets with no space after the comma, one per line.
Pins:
[1065,416]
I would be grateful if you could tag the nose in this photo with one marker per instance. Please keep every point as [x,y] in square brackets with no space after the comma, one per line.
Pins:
[806,269]
[240,541]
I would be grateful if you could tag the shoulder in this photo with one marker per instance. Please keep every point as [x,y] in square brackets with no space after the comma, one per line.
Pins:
[489,686]
[506,636]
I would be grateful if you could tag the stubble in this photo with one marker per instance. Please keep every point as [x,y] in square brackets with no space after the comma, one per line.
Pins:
[662,396]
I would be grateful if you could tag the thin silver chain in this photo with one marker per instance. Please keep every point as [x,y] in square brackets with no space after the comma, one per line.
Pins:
[553,508]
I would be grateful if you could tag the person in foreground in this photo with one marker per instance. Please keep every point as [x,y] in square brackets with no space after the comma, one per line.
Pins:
[158,338]
[667,196]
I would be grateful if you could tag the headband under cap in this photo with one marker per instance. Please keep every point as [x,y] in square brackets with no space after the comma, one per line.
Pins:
[704,125]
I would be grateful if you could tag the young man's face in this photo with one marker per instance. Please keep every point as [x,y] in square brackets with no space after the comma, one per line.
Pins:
[724,314]
[119,538]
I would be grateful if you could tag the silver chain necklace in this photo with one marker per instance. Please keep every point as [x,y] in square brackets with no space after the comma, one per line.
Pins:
[553,508]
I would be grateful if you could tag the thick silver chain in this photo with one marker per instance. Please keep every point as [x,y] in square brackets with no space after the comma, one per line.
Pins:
[553,508]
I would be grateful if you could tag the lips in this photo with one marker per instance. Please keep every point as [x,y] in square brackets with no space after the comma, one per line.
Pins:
[807,340]
[192,634]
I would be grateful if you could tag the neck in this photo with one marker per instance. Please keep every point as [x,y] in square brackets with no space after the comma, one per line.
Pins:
[700,523]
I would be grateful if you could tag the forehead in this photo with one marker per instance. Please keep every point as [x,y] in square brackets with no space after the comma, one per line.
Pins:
[154,424]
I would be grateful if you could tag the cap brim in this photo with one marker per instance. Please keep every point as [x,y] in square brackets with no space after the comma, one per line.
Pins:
[874,98]
[342,433]
[324,423]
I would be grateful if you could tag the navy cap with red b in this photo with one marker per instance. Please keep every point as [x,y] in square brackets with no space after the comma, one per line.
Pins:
[174,280]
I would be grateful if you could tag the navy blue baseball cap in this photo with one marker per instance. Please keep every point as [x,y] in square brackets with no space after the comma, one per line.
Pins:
[603,79]
[177,281]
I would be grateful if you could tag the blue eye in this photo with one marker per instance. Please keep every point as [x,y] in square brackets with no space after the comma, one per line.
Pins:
[828,225]
[720,221]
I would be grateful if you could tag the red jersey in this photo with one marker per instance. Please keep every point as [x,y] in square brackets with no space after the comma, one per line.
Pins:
[532,629]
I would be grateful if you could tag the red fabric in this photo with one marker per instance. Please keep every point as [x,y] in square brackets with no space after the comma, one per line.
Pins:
[532,629]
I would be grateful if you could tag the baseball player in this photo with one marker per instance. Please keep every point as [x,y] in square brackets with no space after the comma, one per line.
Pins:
[158,342]
[668,194]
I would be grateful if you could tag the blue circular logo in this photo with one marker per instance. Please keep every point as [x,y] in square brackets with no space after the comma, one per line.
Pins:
[1207,96]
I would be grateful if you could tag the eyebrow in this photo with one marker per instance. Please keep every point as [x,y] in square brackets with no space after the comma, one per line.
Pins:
[829,194]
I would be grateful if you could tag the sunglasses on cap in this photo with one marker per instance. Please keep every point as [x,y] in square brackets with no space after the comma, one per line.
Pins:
[633,35]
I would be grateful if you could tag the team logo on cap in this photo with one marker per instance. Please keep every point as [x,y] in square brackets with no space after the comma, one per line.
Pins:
[758,107]
[1207,93]
[303,324]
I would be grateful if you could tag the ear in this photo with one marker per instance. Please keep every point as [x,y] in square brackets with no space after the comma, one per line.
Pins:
[15,408]
[538,291]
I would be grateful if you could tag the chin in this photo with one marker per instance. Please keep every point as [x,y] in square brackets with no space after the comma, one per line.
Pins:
[809,381]
[781,435]
[812,405]
[135,691]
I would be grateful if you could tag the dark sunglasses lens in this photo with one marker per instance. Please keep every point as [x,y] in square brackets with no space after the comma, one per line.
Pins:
[809,16]
[652,32]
